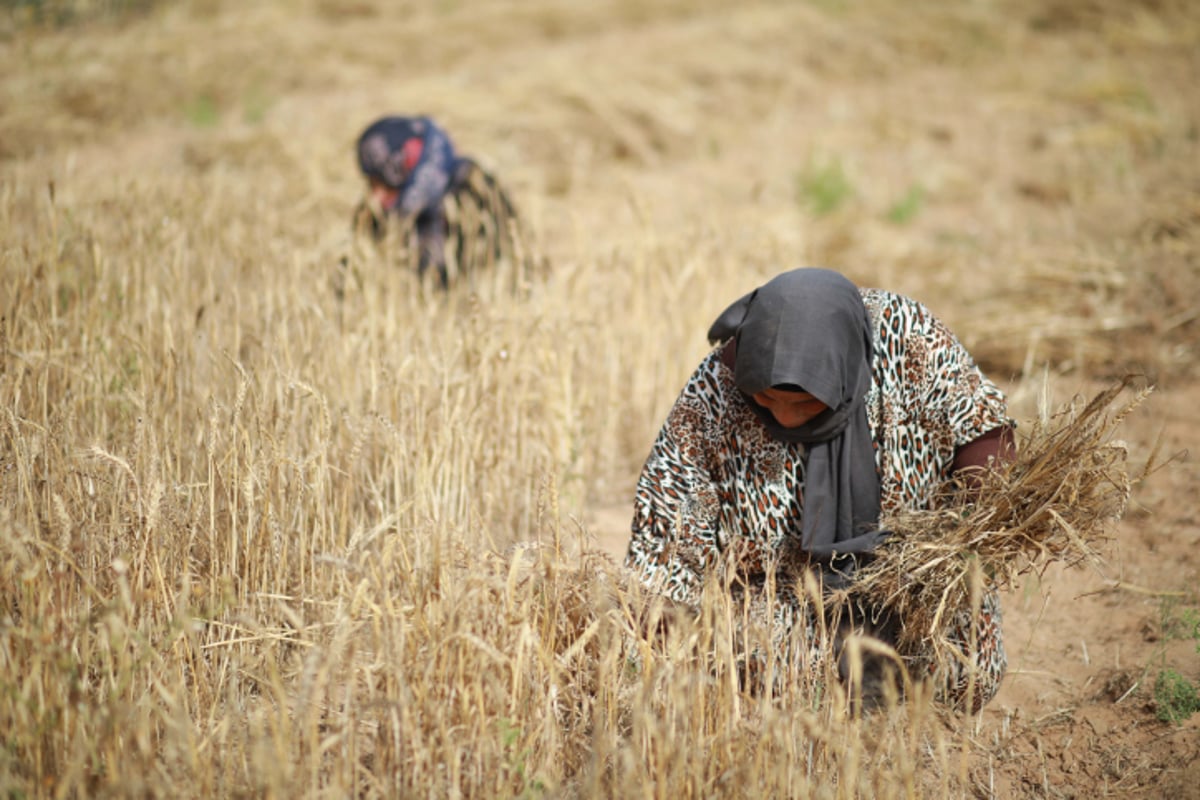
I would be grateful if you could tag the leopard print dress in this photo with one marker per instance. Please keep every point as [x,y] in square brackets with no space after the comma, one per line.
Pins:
[717,487]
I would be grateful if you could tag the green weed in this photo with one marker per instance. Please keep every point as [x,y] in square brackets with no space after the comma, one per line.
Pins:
[823,188]
[907,207]
[202,111]
[62,13]
[1175,697]
[1179,623]
[510,736]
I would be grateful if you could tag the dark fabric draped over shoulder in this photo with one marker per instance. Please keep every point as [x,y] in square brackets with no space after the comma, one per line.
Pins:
[809,328]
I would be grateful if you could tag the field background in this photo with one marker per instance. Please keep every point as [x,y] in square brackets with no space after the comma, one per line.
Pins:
[264,502]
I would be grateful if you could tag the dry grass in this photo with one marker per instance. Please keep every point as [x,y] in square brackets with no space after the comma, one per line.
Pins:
[1059,501]
[281,565]
[257,520]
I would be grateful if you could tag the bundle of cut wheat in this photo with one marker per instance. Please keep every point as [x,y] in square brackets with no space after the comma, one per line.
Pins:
[1057,502]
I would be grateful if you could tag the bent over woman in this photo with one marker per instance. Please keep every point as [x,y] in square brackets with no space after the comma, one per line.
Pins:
[410,165]
[821,407]
[414,173]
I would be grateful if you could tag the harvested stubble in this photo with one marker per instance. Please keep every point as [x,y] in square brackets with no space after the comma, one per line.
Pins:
[1057,502]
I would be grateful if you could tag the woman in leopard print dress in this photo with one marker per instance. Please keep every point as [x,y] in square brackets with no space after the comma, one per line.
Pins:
[822,406]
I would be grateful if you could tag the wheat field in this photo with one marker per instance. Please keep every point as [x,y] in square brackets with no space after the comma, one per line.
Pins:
[277,521]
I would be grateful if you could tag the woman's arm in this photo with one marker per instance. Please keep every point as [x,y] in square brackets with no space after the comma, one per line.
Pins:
[677,503]
[992,450]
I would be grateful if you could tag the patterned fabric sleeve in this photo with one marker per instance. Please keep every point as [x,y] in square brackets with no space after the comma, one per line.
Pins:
[953,386]
[676,506]
[928,398]
[969,676]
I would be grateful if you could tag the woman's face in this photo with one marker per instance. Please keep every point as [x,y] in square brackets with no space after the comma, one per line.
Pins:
[790,409]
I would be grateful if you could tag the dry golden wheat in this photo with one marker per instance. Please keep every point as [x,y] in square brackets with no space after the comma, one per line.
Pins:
[1059,501]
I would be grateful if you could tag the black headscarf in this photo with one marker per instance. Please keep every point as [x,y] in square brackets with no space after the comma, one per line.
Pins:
[808,328]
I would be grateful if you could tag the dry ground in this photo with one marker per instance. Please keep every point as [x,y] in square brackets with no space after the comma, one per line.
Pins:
[1030,170]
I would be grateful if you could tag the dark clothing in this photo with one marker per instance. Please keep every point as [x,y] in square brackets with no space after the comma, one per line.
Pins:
[416,157]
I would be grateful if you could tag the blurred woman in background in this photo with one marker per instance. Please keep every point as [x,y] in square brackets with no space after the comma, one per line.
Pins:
[414,174]
[411,166]
[822,407]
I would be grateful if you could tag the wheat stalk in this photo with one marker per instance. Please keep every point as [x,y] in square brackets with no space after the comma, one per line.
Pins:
[1057,502]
